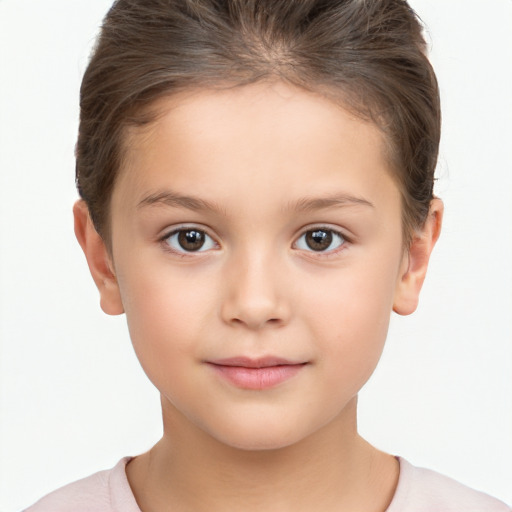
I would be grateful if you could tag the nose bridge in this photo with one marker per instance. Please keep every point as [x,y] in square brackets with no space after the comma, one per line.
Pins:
[255,296]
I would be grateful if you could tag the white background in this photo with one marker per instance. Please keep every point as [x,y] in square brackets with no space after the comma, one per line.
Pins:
[73,398]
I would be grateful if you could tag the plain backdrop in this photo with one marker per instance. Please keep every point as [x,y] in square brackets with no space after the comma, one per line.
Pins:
[73,398]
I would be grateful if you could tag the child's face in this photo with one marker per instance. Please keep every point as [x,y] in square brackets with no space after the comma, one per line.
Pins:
[290,249]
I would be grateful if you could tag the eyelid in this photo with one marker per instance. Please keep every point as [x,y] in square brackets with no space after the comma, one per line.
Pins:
[343,232]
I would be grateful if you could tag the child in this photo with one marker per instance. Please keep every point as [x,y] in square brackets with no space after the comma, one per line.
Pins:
[256,181]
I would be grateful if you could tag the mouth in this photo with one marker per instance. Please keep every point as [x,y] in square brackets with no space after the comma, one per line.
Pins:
[256,374]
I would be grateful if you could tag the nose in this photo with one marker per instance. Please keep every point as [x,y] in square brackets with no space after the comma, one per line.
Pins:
[255,294]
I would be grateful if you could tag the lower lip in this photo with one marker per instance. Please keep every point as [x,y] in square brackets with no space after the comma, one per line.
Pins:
[257,378]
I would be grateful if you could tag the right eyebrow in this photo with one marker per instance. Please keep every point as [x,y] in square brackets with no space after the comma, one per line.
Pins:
[174,200]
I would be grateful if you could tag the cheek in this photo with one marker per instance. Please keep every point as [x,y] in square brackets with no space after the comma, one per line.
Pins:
[350,316]
[166,315]
[355,298]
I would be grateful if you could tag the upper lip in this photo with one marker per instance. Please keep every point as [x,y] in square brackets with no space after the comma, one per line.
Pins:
[248,362]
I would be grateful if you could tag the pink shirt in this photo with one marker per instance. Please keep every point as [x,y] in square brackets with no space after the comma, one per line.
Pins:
[418,490]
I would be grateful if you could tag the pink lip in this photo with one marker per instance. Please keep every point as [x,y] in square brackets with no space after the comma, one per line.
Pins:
[256,374]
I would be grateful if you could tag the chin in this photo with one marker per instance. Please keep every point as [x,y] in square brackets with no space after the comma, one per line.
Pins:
[264,438]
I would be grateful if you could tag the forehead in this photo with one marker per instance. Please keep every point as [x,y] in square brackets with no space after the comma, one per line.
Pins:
[274,139]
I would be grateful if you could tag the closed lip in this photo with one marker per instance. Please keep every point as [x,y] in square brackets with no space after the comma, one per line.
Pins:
[261,362]
[256,373]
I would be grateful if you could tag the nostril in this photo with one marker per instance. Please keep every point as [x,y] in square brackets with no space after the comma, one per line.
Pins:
[256,323]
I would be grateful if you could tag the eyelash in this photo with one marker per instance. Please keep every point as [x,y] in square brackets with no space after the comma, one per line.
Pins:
[184,253]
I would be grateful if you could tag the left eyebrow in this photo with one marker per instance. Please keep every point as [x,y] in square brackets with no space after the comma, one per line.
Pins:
[307,204]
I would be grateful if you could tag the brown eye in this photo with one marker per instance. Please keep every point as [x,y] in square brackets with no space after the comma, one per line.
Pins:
[320,240]
[189,240]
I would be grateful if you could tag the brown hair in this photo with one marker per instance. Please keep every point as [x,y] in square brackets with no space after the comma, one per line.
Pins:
[370,54]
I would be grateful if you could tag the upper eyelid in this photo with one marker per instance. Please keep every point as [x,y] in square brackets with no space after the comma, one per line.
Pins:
[323,228]
[339,231]
[167,232]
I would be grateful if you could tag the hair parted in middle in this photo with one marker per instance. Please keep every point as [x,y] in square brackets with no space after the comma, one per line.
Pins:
[367,55]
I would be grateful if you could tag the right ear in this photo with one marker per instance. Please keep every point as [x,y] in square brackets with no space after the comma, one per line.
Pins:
[98,259]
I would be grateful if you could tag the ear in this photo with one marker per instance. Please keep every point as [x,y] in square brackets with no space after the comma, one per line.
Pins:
[98,259]
[415,262]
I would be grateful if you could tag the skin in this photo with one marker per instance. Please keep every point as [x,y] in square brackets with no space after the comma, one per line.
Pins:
[270,162]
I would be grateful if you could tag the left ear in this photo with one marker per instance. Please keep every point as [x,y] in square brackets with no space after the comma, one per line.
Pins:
[415,263]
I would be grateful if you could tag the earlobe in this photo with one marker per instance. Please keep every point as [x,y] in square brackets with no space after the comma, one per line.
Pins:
[98,259]
[415,263]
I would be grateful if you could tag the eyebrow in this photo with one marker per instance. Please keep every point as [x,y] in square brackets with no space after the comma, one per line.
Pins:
[305,204]
[168,198]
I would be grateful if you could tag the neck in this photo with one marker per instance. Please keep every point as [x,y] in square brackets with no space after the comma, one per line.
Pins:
[333,469]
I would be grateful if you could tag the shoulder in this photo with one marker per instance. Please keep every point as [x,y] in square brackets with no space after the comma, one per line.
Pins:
[105,491]
[423,490]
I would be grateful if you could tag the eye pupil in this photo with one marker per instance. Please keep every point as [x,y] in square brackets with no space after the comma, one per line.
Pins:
[191,239]
[319,239]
